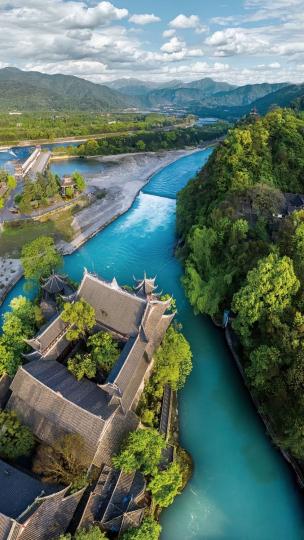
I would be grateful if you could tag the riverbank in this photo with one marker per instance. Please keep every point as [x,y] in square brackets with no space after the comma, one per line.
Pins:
[122,180]
[240,487]
[231,340]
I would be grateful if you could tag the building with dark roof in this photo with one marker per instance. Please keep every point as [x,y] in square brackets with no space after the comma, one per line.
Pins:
[117,501]
[48,398]
[52,403]
[54,284]
[67,182]
[32,510]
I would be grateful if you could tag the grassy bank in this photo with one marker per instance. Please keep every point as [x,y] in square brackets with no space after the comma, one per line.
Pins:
[17,233]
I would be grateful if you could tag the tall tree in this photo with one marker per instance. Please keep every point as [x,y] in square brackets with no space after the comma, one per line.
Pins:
[81,318]
[16,439]
[267,292]
[39,258]
[173,360]
[104,350]
[141,451]
[61,463]
[165,485]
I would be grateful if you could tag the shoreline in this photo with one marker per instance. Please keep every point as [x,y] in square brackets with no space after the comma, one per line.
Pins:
[125,199]
[114,204]
[290,460]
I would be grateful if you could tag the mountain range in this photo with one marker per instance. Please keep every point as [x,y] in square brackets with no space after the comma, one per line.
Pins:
[34,91]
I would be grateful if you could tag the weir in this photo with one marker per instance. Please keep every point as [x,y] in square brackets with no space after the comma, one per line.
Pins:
[35,163]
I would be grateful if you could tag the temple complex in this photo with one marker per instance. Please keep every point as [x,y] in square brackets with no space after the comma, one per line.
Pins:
[52,402]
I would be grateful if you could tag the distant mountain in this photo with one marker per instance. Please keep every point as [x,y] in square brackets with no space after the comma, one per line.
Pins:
[210,94]
[291,95]
[34,91]
[132,87]
[136,87]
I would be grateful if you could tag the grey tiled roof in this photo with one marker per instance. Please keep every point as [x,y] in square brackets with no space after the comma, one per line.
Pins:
[123,510]
[115,308]
[50,400]
[116,501]
[19,490]
[54,284]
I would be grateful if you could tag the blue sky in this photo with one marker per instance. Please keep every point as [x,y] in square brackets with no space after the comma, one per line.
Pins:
[239,41]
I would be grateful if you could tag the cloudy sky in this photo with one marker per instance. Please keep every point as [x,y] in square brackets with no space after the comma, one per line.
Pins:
[239,41]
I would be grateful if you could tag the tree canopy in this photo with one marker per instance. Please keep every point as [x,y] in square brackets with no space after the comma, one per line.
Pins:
[93,533]
[18,324]
[241,221]
[141,451]
[148,530]
[82,365]
[16,439]
[61,462]
[104,350]
[39,258]
[165,485]
[173,360]
[81,318]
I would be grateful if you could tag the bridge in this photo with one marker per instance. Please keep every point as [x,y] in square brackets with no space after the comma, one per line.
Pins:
[35,163]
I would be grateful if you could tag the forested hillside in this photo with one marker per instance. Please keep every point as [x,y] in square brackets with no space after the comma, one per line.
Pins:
[243,248]
[34,91]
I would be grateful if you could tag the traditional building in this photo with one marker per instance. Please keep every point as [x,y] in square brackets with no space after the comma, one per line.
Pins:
[67,182]
[32,510]
[117,501]
[54,284]
[52,402]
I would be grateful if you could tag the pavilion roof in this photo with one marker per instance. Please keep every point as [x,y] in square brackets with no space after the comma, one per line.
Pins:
[146,286]
[54,284]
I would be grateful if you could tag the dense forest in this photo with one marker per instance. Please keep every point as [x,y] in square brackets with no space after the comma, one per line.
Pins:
[150,141]
[241,224]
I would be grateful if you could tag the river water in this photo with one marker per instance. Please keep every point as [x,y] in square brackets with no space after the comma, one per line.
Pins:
[241,488]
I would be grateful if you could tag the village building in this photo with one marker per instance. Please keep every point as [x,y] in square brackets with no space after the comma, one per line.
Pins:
[67,182]
[52,402]
[32,510]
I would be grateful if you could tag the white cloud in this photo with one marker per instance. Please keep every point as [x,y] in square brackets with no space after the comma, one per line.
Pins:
[169,33]
[174,45]
[95,40]
[182,22]
[284,39]
[234,41]
[91,17]
[144,19]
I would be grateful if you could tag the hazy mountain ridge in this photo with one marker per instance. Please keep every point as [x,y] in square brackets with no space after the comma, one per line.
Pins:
[34,91]
[31,90]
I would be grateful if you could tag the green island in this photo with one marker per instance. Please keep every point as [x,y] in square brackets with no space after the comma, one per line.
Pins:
[147,141]
[31,126]
[62,361]
[48,189]
[241,229]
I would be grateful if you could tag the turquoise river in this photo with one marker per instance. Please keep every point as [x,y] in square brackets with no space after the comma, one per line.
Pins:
[241,488]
